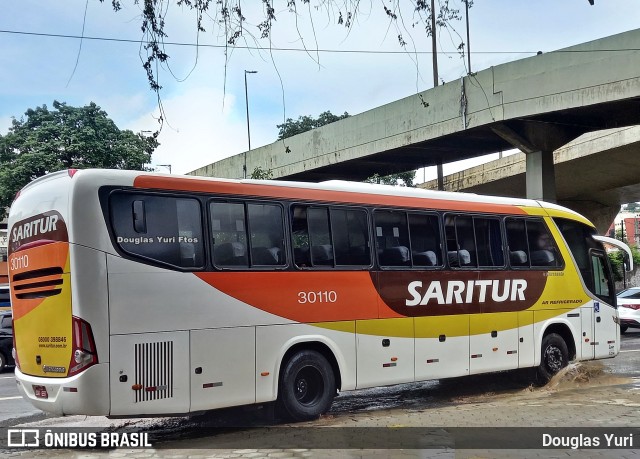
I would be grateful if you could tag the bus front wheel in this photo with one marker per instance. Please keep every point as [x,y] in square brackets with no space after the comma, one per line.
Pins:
[307,386]
[554,357]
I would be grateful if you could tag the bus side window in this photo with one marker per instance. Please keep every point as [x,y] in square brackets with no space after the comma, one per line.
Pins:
[392,238]
[463,251]
[425,240]
[517,242]
[350,231]
[320,236]
[329,237]
[531,244]
[228,234]
[164,229]
[451,240]
[300,237]
[542,247]
[488,239]
[267,234]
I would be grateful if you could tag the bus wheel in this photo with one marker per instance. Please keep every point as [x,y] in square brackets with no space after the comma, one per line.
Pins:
[623,329]
[307,386]
[3,362]
[554,357]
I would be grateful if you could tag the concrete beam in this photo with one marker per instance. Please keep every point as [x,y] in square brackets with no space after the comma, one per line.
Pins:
[585,87]
[515,139]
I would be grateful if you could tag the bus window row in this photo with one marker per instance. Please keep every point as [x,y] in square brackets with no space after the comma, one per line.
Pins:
[248,234]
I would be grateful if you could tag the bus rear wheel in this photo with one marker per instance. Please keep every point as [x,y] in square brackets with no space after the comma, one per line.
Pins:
[554,357]
[307,386]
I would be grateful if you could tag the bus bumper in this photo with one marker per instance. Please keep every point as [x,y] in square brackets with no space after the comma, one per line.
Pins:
[85,393]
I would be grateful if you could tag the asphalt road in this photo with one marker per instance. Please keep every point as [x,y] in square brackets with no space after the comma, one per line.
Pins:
[12,406]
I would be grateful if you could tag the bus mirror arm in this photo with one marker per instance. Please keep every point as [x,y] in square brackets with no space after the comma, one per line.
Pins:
[621,245]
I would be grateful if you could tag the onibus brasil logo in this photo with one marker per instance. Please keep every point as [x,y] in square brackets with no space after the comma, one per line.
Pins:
[65,438]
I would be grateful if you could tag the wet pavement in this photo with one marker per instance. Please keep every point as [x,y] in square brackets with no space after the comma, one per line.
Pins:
[414,420]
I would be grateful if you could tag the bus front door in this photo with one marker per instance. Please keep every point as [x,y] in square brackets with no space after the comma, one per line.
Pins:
[606,336]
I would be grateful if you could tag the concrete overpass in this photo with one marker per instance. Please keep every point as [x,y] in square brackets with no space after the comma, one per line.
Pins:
[536,104]
[595,174]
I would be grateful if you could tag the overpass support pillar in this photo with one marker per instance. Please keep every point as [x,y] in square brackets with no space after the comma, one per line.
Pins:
[538,141]
[541,177]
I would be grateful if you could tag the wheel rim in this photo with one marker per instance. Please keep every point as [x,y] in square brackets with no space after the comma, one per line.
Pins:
[308,386]
[553,359]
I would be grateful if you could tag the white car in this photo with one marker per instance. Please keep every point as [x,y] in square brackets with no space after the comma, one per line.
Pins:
[629,308]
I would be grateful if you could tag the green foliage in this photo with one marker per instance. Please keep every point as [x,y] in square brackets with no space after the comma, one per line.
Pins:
[402,179]
[261,174]
[66,137]
[306,123]
[617,262]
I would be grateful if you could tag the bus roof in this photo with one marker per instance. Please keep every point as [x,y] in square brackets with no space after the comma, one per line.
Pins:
[331,190]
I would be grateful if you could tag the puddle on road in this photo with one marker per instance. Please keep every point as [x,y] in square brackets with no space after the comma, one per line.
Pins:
[581,374]
[474,389]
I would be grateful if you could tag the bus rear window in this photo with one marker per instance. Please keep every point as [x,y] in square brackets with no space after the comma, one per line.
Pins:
[164,229]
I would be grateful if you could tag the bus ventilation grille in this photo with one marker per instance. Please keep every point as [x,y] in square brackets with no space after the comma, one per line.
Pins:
[154,370]
[39,283]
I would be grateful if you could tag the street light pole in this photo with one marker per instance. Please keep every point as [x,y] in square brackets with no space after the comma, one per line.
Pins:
[434,48]
[246,98]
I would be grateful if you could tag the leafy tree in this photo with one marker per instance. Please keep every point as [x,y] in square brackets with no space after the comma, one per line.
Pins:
[306,123]
[261,174]
[617,261]
[66,137]
[402,179]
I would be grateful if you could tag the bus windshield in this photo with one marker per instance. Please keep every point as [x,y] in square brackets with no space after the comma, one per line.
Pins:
[590,258]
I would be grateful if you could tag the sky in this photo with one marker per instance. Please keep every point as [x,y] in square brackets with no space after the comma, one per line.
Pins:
[203,93]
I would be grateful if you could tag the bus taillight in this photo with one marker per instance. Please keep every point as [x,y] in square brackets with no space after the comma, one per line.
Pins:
[83,353]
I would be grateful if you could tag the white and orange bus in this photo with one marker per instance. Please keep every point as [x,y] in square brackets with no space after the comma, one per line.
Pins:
[140,294]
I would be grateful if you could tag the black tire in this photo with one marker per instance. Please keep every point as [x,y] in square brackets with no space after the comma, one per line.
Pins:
[307,386]
[623,329]
[3,362]
[553,358]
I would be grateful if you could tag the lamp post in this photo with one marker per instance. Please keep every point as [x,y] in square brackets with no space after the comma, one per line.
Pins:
[246,98]
[165,165]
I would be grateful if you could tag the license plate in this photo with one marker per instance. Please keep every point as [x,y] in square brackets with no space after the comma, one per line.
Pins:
[40,391]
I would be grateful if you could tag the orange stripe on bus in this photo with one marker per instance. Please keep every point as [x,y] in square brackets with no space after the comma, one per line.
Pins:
[303,296]
[285,192]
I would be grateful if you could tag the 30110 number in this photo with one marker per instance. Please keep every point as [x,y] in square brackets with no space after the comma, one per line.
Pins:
[322,296]
[19,262]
